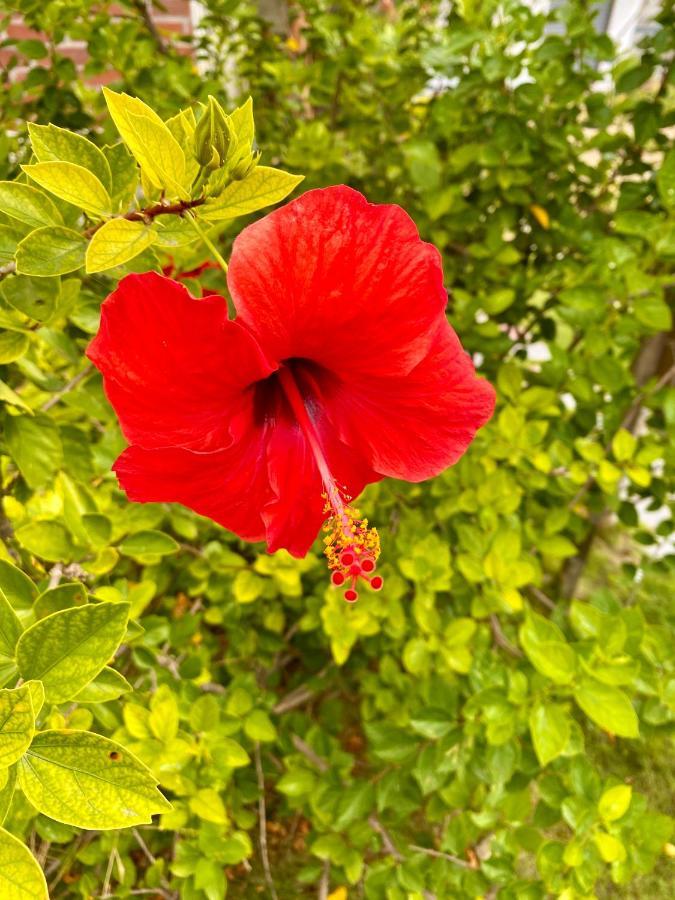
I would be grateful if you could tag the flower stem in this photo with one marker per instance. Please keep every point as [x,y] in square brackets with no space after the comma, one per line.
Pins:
[209,243]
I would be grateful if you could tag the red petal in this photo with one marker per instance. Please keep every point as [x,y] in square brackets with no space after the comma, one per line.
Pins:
[413,427]
[229,486]
[295,510]
[174,367]
[339,281]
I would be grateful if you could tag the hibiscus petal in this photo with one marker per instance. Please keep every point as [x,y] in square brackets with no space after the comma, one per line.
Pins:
[334,279]
[297,507]
[174,367]
[229,486]
[413,427]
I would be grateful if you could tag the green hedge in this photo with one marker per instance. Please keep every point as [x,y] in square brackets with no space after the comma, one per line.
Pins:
[495,722]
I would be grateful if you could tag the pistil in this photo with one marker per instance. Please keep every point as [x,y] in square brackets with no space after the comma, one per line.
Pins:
[352,547]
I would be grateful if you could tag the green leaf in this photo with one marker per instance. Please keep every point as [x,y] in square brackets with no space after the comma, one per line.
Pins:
[35,446]
[13,345]
[34,297]
[27,204]
[665,180]
[262,187]
[7,395]
[17,586]
[247,586]
[55,599]
[17,724]
[124,176]
[68,649]
[545,645]
[116,242]
[623,445]
[156,150]
[37,694]
[108,685]
[52,250]
[88,781]
[243,124]
[21,877]
[608,707]
[610,847]
[550,730]
[7,791]
[653,311]
[46,539]
[53,144]
[10,627]
[259,727]
[72,183]
[614,802]
[143,543]
[9,238]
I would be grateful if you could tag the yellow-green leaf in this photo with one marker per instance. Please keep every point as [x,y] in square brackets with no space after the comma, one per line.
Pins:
[68,649]
[53,144]
[88,781]
[614,802]
[116,242]
[17,724]
[52,250]
[7,395]
[623,445]
[608,707]
[156,150]
[13,345]
[72,183]
[550,730]
[21,877]
[610,848]
[10,627]
[263,187]
[27,204]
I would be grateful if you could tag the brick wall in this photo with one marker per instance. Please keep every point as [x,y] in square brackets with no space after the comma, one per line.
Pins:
[177,17]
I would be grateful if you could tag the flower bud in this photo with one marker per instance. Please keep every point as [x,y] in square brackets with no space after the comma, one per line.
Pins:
[213,136]
[245,166]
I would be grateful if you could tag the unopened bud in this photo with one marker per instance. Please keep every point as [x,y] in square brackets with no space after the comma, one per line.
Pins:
[245,166]
[213,136]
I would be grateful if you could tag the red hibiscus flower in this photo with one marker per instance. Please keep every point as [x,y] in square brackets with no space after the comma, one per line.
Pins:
[340,369]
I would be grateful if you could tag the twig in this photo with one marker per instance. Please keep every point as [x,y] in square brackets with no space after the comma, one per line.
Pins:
[55,575]
[296,698]
[144,7]
[151,212]
[301,746]
[262,817]
[437,854]
[108,871]
[387,842]
[540,596]
[324,884]
[54,399]
[501,639]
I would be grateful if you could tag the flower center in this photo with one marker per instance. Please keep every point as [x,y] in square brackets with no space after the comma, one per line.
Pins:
[352,547]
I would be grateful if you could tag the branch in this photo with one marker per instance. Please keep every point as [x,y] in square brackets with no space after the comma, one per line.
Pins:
[262,818]
[144,8]
[296,698]
[324,884]
[501,639]
[302,747]
[150,213]
[387,842]
[462,863]
[54,399]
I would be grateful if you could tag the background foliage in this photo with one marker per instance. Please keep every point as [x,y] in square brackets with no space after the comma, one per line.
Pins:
[496,722]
